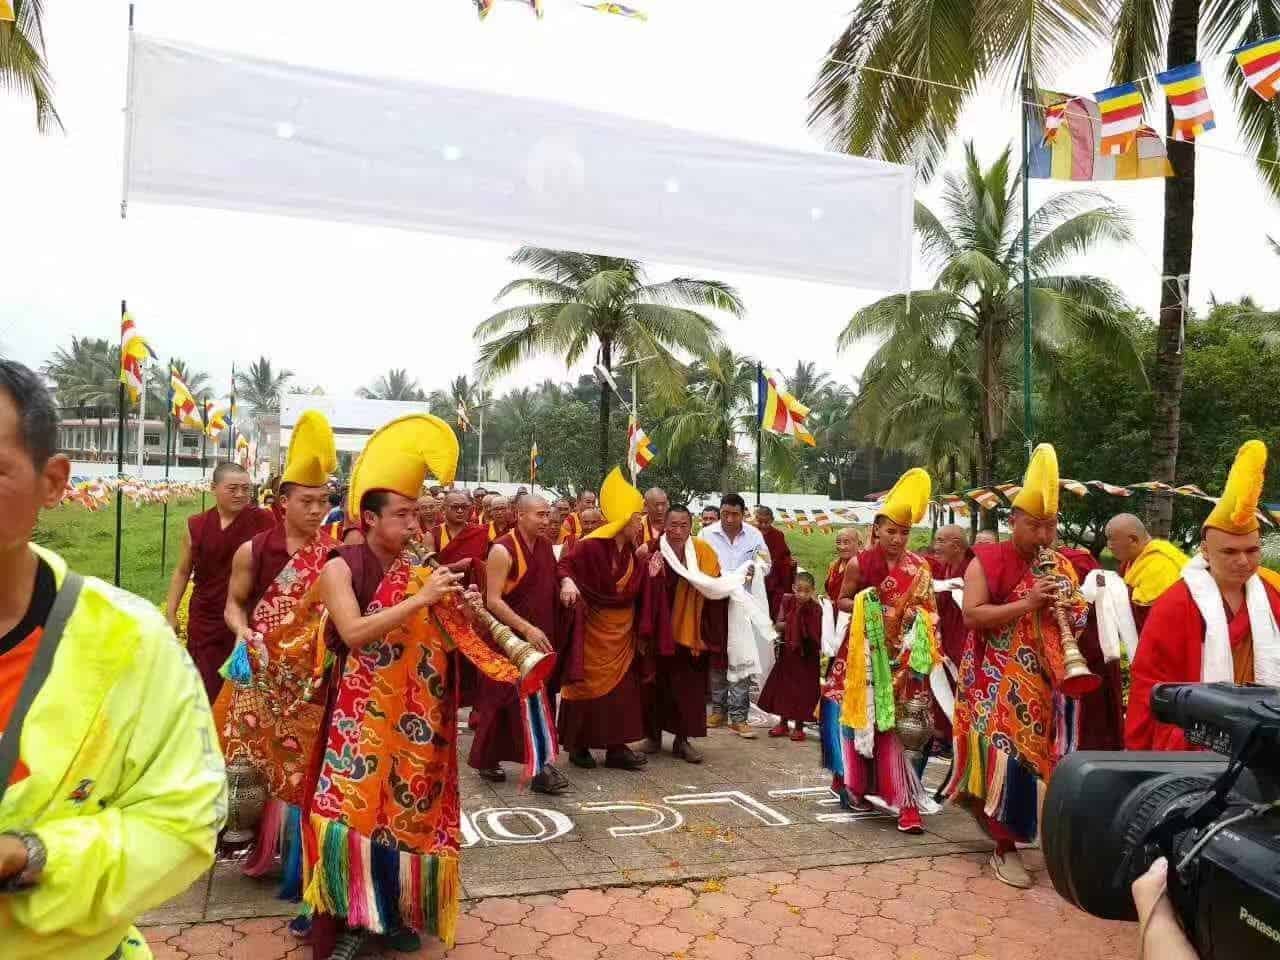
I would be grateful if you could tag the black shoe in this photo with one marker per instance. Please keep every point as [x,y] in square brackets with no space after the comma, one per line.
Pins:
[583,759]
[544,783]
[625,759]
[493,775]
[555,776]
[402,940]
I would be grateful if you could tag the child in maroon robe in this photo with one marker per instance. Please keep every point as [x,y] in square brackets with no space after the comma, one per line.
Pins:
[792,689]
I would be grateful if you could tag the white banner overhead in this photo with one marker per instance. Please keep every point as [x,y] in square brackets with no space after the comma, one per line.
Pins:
[215,129]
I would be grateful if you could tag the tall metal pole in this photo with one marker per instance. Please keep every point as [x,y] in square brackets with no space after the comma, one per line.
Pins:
[635,415]
[759,424]
[168,443]
[142,423]
[204,435]
[1028,423]
[480,478]
[120,458]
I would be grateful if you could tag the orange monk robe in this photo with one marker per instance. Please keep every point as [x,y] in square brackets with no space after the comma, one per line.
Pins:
[600,694]
[679,628]
[570,530]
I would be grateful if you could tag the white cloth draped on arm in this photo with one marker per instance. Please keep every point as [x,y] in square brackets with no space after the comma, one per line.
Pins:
[749,623]
[835,624]
[1117,630]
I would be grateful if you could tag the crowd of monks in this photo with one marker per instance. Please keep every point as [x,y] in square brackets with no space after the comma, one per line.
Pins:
[347,660]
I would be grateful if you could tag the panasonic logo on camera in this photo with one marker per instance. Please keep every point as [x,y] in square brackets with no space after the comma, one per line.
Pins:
[1268,931]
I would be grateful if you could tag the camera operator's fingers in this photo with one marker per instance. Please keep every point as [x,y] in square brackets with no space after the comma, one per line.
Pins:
[1147,889]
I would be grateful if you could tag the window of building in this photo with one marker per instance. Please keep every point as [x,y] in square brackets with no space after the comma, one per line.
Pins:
[151,439]
[190,442]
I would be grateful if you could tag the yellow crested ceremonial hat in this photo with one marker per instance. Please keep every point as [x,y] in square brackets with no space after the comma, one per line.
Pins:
[619,502]
[1237,511]
[312,455]
[907,501]
[1039,494]
[398,456]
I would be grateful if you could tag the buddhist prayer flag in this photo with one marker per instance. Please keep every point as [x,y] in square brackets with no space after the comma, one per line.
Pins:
[1260,64]
[1121,108]
[6,10]
[1189,101]
[640,448]
[1053,116]
[183,406]
[617,9]
[780,412]
[215,420]
[1074,155]
[535,461]
[134,351]
[464,422]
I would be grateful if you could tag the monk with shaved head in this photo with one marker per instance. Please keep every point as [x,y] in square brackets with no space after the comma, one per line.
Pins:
[521,590]
[1149,566]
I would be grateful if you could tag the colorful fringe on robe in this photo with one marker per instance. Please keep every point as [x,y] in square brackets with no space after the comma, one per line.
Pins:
[541,740]
[1011,726]
[384,825]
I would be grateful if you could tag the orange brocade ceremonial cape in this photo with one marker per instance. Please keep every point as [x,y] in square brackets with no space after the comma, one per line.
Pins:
[384,821]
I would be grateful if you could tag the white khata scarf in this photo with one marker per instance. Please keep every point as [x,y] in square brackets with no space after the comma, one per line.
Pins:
[1216,665]
[748,619]
[1117,630]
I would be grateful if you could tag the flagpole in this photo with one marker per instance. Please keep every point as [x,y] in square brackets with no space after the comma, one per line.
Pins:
[204,435]
[142,421]
[1027,425]
[168,443]
[120,455]
[480,448]
[635,416]
[759,431]
[231,418]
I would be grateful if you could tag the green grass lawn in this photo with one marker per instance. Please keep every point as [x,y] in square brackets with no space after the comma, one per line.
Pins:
[86,540]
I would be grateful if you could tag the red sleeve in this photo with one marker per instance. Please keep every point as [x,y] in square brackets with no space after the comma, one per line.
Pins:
[1173,629]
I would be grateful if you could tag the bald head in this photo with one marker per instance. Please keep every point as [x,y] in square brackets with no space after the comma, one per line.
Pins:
[533,516]
[1127,537]
[499,511]
[986,536]
[950,544]
[656,505]
[592,519]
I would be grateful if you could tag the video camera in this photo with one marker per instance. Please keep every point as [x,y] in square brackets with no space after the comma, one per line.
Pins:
[1109,816]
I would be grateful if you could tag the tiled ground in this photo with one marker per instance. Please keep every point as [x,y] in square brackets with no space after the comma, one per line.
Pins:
[752,807]
[922,908]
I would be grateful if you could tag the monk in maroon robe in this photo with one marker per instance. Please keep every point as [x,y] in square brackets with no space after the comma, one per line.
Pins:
[521,590]
[792,690]
[462,547]
[680,630]
[211,541]
[951,555]
[782,566]
[601,705]
[1101,712]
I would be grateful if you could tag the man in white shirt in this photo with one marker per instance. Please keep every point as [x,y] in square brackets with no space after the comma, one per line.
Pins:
[735,544]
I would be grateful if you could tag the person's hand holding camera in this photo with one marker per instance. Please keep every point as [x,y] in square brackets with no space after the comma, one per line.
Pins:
[1160,937]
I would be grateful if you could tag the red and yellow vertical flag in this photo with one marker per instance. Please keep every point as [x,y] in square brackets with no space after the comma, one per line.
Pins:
[6,11]
[184,407]
[779,411]
[134,352]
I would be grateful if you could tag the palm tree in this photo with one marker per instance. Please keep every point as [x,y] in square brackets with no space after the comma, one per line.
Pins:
[445,403]
[1148,35]
[22,61]
[969,324]
[395,384]
[585,300]
[808,384]
[260,386]
[87,374]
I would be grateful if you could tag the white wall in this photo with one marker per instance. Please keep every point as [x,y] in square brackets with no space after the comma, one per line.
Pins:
[152,471]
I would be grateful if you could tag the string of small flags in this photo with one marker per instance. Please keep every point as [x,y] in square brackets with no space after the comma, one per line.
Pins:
[97,493]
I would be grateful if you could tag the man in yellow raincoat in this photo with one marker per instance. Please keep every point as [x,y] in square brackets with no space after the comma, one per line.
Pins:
[112,788]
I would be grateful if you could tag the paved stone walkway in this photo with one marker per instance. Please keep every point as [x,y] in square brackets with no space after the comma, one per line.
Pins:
[921,908]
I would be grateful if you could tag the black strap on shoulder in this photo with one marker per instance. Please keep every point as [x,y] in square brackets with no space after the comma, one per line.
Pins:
[37,673]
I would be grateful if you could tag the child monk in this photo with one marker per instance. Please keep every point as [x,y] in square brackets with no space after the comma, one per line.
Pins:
[792,688]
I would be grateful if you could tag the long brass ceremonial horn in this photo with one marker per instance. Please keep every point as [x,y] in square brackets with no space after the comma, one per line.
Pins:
[533,665]
[1078,680]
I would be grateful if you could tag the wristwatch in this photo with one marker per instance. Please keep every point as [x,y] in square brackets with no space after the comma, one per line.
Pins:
[36,857]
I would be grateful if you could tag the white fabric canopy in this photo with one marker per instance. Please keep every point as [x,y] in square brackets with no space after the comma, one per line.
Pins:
[216,129]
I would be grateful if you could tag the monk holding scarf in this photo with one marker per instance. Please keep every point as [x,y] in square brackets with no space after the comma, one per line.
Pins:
[888,654]
[272,709]
[681,623]
[1012,722]
[383,823]
[1218,623]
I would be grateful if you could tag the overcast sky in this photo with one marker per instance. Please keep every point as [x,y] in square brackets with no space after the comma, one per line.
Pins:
[339,304]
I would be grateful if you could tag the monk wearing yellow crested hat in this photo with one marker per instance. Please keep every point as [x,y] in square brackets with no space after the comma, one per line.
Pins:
[893,639]
[1218,623]
[601,706]
[1012,720]
[272,576]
